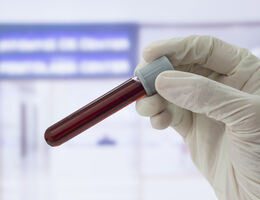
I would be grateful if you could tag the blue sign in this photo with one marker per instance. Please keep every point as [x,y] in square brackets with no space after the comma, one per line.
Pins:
[68,50]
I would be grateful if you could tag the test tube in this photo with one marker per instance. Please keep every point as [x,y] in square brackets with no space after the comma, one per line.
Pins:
[94,112]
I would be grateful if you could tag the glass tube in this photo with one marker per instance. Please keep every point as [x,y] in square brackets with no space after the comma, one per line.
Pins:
[94,112]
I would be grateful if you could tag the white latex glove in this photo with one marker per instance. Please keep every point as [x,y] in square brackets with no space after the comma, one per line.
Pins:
[213,101]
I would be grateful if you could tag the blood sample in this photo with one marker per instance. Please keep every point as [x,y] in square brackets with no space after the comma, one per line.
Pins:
[94,112]
[129,91]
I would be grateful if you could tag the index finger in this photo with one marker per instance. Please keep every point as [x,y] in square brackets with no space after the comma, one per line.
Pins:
[207,51]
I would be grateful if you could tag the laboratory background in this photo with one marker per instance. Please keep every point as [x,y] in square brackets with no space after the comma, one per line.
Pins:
[58,55]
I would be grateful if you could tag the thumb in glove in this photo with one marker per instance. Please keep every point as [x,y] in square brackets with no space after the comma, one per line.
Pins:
[201,95]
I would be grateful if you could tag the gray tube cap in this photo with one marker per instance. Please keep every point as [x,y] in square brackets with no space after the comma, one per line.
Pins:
[148,73]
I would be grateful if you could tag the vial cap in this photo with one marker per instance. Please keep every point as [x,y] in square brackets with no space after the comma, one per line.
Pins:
[148,73]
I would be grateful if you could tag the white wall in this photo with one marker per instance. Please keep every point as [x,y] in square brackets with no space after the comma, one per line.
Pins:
[142,11]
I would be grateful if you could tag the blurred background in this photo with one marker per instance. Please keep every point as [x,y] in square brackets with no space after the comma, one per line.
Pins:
[56,56]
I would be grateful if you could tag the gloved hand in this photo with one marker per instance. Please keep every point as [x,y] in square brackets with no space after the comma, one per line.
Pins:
[213,101]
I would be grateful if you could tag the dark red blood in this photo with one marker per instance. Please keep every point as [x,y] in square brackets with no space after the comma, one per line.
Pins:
[94,112]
